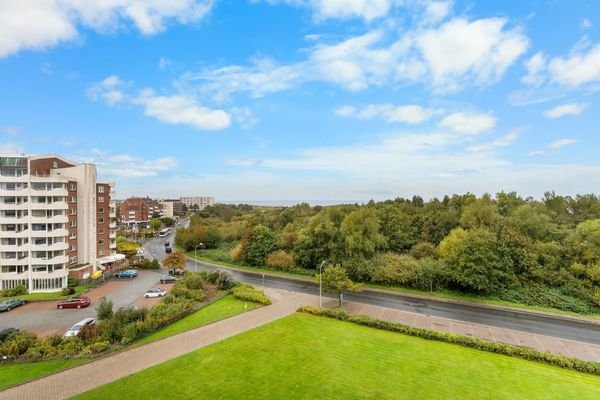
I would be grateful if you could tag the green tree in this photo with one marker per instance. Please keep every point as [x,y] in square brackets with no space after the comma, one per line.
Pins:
[155,224]
[480,213]
[360,231]
[335,281]
[104,309]
[259,245]
[585,241]
[476,262]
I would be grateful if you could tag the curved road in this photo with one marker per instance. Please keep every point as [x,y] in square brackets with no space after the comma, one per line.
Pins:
[564,328]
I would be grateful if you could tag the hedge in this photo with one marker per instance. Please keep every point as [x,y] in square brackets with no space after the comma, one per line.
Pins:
[526,353]
[248,293]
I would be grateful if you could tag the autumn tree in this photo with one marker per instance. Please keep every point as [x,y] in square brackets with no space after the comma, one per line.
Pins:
[335,281]
[175,261]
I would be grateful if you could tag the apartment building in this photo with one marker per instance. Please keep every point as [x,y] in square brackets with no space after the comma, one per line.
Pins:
[199,201]
[171,208]
[54,217]
[139,210]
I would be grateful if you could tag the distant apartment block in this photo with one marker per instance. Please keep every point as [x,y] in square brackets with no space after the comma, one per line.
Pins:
[139,210]
[171,208]
[53,215]
[200,202]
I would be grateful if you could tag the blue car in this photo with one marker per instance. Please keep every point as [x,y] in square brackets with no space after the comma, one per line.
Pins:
[128,273]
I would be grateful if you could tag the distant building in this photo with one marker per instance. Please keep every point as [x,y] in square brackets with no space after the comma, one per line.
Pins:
[171,207]
[55,220]
[139,210]
[200,202]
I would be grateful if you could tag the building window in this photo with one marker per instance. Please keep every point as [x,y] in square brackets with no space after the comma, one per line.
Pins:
[101,199]
[73,247]
[101,232]
[73,260]
[72,199]
[72,235]
[54,164]
[100,189]
[101,220]
[101,253]
[72,187]
[101,210]
[101,241]
[73,224]
[72,211]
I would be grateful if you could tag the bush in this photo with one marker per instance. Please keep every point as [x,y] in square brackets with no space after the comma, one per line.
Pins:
[104,309]
[222,279]
[16,291]
[99,347]
[281,260]
[68,291]
[248,293]
[147,264]
[466,341]
[71,282]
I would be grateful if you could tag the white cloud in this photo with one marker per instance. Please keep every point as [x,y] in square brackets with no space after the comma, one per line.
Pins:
[109,91]
[480,50]
[38,24]
[468,123]
[11,130]
[11,148]
[343,9]
[579,68]
[407,114]
[436,11]
[535,67]
[126,165]
[164,63]
[537,153]
[557,144]
[565,109]
[503,141]
[182,110]
[586,24]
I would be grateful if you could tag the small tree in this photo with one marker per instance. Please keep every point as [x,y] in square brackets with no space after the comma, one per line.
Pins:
[335,280]
[104,309]
[175,261]
[155,224]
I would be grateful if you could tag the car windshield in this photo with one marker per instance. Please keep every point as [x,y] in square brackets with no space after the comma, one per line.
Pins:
[76,327]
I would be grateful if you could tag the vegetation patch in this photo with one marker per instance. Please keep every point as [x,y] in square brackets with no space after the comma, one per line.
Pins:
[248,293]
[13,374]
[304,357]
[467,341]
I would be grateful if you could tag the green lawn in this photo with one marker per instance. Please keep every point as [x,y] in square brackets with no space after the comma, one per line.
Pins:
[306,357]
[49,296]
[12,374]
[221,309]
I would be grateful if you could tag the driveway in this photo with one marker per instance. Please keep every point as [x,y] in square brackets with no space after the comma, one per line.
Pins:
[45,319]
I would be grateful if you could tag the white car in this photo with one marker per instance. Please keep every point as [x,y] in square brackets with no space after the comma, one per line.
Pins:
[156,292]
[77,327]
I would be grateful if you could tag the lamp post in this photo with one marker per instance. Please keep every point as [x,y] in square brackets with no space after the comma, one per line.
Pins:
[201,245]
[320,283]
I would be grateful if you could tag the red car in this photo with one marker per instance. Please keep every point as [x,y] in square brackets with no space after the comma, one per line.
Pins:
[77,302]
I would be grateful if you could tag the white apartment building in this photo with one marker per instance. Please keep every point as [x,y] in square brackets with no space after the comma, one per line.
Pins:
[200,201]
[53,215]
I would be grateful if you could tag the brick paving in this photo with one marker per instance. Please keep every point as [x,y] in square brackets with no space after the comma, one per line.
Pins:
[86,377]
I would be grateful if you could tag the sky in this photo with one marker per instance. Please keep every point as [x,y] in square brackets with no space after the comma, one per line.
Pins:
[291,100]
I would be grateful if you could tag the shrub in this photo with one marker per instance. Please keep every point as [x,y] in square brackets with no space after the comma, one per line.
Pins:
[99,347]
[281,260]
[68,291]
[222,279]
[89,333]
[71,282]
[248,293]
[104,309]
[16,291]
[466,341]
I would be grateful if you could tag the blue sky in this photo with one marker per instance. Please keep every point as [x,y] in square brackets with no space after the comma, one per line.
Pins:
[308,99]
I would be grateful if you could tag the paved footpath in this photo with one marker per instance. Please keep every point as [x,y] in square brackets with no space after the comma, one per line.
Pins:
[89,376]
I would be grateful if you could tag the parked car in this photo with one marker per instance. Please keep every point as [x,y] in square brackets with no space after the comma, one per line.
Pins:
[75,302]
[167,243]
[168,279]
[128,273]
[77,327]
[175,272]
[9,304]
[155,292]
[8,331]
[168,250]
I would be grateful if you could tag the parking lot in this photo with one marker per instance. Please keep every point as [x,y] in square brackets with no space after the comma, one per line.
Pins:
[45,319]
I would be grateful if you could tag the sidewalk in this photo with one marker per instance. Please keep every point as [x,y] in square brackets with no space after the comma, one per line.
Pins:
[89,376]
[554,345]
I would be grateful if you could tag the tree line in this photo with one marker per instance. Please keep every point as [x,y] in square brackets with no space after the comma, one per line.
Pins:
[540,252]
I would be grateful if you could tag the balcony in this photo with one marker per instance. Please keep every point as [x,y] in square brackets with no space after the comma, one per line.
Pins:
[57,219]
[47,260]
[61,273]
[52,233]
[14,261]
[50,247]
[57,205]
[14,234]
[14,206]
[12,178]
[15,192]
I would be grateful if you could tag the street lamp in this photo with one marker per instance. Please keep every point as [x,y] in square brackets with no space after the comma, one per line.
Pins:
[201,245]
[320,283]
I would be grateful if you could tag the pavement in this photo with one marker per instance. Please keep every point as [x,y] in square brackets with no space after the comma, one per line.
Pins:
[45,319]
[110,368]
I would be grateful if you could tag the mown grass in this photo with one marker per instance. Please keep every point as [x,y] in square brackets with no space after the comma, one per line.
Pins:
[12,374]
[221,309]
[306,357]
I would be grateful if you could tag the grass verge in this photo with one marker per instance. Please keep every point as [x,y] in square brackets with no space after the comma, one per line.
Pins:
[224,308]
[304,357]
[79,290]
[13,374]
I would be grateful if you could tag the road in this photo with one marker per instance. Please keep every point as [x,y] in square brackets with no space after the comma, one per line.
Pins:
[558,327]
